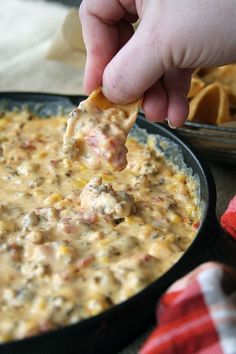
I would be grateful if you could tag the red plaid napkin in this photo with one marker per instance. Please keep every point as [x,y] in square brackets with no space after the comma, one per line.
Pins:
[197,314]
[228,219]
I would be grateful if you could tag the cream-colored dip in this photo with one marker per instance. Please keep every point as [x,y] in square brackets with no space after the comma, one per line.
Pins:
[74,242]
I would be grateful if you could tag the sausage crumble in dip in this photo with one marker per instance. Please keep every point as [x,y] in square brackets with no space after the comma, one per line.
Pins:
[74,242]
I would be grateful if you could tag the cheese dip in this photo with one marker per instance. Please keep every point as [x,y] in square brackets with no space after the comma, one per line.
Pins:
[74,242]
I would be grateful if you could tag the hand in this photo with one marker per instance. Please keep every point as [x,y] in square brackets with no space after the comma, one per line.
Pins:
[156,61]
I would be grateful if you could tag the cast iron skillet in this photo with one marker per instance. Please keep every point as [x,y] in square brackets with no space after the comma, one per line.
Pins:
[113,329]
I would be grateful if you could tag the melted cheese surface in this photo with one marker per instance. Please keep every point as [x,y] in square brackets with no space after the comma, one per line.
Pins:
[74,242]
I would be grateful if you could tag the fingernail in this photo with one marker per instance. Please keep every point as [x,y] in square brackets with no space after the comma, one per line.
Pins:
[169,123]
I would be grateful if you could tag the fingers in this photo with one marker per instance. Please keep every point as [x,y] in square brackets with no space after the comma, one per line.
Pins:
[177,83]
[155,103]
[134,69]
[168,98]
[178,109]
[130,65]
[101,35]
[98,57]
[101,46]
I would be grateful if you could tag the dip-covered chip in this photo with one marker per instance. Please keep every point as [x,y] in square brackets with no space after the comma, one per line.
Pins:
[97,130]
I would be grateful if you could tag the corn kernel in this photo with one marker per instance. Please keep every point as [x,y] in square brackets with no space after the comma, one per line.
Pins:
[82,167]
[171,238]
[3,123]
[67,293]
[107,177]
[130,292]
[180,177]
[103,242]
[42,154]
[38,193]
[146,231]
[64,250]
[6,227]
[2,227]
[172,188]
[151,143]
[160,249]
[190,210]
[41,304]
[53,198]
[175,218]
[134,220]
[67,164]
[104,260]
[5,337]
[167,173]
[95,306]
[80,183]
[62,204]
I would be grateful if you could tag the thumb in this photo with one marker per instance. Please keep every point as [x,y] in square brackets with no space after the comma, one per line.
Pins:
[134,69]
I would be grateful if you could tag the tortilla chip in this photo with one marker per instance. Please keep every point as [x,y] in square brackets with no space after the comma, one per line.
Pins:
[210,105]
[196,86]
[226,75]
[231,96]
[130,109]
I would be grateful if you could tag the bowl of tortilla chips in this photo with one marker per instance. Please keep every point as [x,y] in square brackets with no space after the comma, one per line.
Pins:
[211,124]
